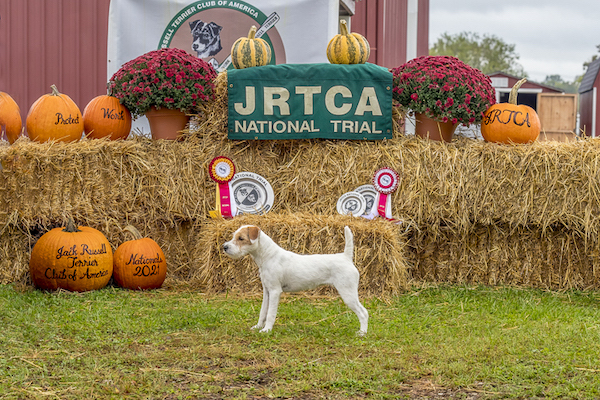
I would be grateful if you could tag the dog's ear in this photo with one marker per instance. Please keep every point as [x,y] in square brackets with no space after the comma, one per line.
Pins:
[194,24]
[214,28]
[253,232]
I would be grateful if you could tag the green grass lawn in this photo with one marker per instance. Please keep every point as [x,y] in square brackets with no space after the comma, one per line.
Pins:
[437,342]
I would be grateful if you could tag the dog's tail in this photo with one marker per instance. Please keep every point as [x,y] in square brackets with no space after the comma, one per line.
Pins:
[349,249]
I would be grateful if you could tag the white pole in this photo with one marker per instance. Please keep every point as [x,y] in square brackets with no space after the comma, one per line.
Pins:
[412,24]
[594,105]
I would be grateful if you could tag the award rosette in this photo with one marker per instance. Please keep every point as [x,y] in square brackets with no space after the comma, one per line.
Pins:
[221,170]
[385,181]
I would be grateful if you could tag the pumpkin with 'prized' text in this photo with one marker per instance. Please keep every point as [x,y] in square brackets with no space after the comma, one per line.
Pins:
[509,122]
[250,51]
[140,263]
[71,258]
[348,48]
[105,116]
[10,118]
[54,116]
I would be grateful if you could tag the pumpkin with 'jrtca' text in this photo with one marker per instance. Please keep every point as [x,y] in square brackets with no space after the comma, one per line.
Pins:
[510,122]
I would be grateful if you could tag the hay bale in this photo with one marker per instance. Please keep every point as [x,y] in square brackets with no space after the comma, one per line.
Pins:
[14,251]
[498,255]
[469,203]
[380,249]
[17,240]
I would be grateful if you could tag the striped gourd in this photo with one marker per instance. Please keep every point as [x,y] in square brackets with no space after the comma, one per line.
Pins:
[348,48]
[250,51]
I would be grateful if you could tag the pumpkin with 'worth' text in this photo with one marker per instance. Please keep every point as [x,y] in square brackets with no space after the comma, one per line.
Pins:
[71,258]
[54,116]
[509,122]
[250,51]
[348,48]
[10,118]
[105,116]
[140,263]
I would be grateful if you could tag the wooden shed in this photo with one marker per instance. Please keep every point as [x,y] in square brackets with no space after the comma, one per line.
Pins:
[589,107]
[557,110]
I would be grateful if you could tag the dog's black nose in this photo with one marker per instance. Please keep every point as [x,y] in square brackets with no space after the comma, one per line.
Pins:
[225,247]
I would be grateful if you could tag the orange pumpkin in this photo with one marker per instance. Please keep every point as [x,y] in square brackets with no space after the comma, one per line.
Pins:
[54,116]
[509,122]
[105,116]
[140,263]
[10,118]
[71,258]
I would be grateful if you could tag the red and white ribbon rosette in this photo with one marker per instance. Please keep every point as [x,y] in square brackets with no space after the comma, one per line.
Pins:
[221,170]
[385,181]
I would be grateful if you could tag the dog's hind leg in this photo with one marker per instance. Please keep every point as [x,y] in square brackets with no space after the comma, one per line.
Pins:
[349,293]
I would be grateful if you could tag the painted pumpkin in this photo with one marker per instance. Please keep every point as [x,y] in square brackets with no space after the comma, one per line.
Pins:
[10,118]
[105,116]
[348,48]
[54,116]
[71,258]
[250,51]
[509,122]
[140,263]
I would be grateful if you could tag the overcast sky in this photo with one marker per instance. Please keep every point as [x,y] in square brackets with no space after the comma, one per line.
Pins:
[551,37]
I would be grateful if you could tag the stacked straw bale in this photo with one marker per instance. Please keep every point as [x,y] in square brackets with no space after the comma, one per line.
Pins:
[380,250]
[473,211]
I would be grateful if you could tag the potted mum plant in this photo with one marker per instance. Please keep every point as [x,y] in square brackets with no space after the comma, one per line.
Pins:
[442,92]
[164,84]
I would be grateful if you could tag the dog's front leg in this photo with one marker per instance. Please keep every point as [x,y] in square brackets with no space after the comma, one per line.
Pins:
[274,295]
[263,310]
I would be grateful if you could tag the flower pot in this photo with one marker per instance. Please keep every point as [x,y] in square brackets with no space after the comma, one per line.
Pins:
[429,128]
[166,123]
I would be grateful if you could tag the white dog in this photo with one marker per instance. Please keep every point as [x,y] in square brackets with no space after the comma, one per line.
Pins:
[283,271]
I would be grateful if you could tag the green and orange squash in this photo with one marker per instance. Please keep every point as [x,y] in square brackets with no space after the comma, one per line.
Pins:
[250,51]
[348,47]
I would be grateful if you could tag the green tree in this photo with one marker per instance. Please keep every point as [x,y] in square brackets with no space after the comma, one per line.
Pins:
[557,82]
[488,53]
[594,58]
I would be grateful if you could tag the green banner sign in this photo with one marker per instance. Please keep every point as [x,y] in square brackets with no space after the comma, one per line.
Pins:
[306,101]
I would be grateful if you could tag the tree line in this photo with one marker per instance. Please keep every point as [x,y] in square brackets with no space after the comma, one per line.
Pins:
[490,54]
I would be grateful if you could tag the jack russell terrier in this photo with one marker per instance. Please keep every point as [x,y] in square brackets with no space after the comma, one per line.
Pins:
[283,271]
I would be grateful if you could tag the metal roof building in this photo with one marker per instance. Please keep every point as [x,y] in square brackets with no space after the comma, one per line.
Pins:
[589,108]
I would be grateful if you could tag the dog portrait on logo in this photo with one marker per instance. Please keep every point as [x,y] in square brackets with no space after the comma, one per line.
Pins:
[206,38]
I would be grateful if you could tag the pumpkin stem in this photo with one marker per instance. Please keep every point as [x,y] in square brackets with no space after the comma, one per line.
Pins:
[512,97]
[343,28]
[132,229]
[71,227]
[55,91]
[252,32]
